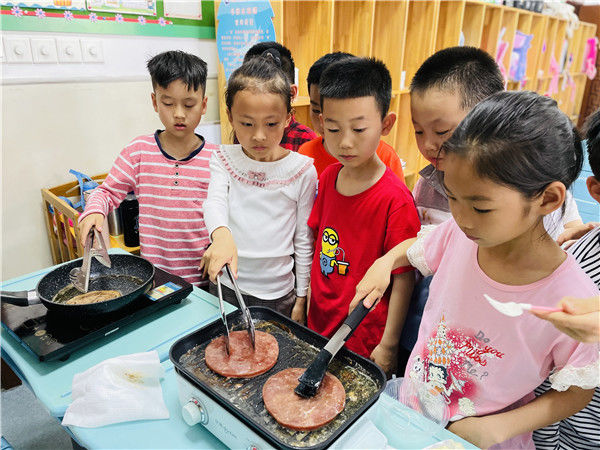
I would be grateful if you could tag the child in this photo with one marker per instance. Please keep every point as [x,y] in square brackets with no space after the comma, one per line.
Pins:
[316,148]
[168,171]
[506,166]
[362,209]
[260,195]
[446,86]
[295,134]
[444,89]
[581,321]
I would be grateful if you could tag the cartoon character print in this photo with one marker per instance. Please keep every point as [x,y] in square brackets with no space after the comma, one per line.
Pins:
[453,364]
[329,251]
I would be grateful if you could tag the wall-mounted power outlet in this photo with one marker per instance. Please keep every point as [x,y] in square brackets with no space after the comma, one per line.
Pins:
[17,49]
[44,50]
[69,50]
[92,50]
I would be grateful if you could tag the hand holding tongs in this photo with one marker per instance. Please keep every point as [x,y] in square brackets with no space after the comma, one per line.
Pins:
[245,311]
[80,276]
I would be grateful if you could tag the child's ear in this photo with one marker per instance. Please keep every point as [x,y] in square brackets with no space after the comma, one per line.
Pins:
[294,91]
[552,198]
[388,122]
[593,186]
[204,103]
[154,105]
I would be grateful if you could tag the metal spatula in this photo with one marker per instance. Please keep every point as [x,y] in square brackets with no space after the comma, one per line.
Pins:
[310,380]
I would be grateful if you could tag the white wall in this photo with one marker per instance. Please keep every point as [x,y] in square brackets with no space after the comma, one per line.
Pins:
[57,117]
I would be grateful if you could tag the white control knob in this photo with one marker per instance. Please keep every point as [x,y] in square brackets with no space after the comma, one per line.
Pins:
[193,413]
[69,50]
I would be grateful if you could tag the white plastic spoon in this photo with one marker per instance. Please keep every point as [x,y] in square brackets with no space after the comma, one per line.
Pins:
[514,309]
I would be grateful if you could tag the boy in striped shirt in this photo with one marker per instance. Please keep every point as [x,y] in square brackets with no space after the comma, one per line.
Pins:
[168,171]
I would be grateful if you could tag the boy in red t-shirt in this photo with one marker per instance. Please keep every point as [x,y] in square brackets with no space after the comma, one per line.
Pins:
[315,148]
[362,210]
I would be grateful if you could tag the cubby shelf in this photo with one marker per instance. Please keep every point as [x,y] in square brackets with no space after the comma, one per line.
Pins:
[403,33]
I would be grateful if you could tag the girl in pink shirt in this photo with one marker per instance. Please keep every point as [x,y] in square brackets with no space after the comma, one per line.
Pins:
[507,165]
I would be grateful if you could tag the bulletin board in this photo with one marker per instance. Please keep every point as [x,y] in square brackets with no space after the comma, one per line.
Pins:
[169,18]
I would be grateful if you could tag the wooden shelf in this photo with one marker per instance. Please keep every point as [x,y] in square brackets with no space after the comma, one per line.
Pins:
[301,101]
[403,33]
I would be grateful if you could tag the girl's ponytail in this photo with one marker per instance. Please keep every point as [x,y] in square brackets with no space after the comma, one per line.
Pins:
[273,55]
[578,156]
[262,74]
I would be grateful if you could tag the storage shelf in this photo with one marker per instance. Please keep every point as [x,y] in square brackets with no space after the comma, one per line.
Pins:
[403,33]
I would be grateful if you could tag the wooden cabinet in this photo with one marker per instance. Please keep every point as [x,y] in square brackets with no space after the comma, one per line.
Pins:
[403,33]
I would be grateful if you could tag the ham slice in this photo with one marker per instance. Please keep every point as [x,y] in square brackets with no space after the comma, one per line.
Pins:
[243,361]
[299,413]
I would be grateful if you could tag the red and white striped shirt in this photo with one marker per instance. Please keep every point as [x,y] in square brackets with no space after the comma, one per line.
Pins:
[171,196]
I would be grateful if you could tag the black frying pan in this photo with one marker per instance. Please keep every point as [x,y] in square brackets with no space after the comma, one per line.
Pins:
[130,275]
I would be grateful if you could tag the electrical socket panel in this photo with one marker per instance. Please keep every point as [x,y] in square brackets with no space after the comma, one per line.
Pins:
[69,50]
[44,50]
[17,49]
[92,50]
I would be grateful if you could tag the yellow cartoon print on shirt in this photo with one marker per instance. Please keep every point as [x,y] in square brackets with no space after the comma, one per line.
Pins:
[329,251]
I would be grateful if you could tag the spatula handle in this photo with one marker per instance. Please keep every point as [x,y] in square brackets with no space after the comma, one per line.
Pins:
[356,317]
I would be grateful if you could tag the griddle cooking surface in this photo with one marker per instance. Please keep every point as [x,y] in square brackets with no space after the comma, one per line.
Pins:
[361,379]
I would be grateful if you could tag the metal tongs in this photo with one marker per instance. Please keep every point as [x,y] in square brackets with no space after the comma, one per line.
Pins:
[80,276]
[99,251]
[249,325]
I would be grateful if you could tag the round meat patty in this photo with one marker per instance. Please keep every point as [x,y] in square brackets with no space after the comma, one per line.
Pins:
[243,361]
[299,413]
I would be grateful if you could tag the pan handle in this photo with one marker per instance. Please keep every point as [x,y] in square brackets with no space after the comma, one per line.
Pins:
[20,298]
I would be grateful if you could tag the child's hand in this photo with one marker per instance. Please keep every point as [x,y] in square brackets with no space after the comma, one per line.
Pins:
[222,251]
[93,220]
[479,431]
[580,319]
[385,357]
[576,232]
[299,310]
[374,284]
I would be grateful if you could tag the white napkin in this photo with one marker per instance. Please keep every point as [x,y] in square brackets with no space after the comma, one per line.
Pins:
[117,390]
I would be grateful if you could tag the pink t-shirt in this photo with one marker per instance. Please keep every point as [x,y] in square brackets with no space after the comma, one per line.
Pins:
[481,361]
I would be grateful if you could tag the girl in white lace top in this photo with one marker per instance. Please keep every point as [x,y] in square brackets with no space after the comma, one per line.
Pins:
[260,195]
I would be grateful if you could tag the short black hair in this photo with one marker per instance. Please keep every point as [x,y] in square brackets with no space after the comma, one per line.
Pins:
[315,71]
[592,132]
[468,71]
[174,65]
[358,77]
[287,62]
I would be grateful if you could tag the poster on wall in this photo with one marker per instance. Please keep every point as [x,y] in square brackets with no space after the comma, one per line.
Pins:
[48,4]
[241,25]
[118,17]
[183,9]
[143,7]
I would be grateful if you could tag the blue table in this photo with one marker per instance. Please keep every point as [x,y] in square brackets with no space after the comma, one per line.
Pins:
[51,381]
